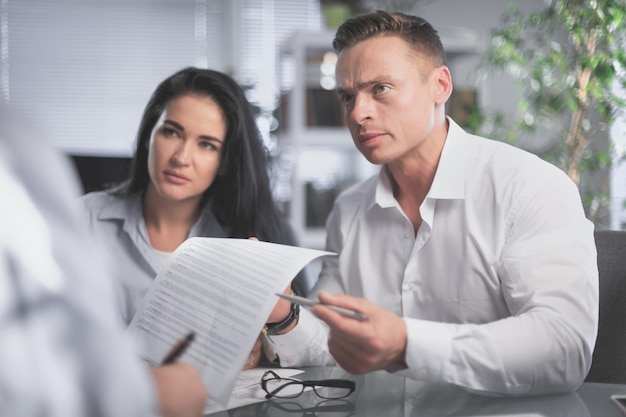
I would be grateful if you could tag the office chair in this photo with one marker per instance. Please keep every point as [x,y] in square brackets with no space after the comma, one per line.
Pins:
[609,356]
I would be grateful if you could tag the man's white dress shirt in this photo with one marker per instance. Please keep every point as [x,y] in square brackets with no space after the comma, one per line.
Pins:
[498,288]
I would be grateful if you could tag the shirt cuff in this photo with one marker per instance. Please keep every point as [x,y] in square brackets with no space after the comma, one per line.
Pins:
[268,348]
[294,345]
[428,349]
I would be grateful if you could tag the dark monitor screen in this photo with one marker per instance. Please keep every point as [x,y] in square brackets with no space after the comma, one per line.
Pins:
[100,172]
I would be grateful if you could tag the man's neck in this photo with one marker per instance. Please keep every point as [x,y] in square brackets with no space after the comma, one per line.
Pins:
[413,175]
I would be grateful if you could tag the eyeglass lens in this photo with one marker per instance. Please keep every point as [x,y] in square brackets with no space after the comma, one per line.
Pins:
[283,388]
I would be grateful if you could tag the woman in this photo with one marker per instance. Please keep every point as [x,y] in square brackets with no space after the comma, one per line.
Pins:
[199,169]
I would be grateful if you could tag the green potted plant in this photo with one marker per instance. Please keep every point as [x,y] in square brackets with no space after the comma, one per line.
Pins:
[570,61]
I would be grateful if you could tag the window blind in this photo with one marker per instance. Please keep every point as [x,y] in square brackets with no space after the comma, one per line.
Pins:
[84,69]
[265,26]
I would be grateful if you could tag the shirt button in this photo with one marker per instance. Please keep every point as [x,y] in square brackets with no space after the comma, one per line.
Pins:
[423,372]
[407,286]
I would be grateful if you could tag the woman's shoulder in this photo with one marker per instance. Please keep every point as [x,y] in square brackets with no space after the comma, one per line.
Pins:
[95,200]
[105,204]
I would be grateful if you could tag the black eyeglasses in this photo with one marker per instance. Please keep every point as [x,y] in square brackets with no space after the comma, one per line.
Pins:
[330,389]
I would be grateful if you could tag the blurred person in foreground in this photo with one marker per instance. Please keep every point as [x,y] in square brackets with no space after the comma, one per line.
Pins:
[473,259]
[62,351]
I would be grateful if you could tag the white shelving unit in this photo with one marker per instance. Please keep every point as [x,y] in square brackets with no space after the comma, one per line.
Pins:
[325,159]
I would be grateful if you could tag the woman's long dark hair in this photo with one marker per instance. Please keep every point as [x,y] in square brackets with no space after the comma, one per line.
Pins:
[241,194]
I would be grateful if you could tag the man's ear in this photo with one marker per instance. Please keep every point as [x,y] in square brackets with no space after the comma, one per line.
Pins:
[442,84]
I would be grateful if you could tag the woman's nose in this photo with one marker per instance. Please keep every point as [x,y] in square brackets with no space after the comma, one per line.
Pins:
[182,153]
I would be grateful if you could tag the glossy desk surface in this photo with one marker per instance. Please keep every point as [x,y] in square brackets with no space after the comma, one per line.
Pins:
[381,394]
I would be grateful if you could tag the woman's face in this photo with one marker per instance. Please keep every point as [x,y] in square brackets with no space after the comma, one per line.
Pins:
[185,147]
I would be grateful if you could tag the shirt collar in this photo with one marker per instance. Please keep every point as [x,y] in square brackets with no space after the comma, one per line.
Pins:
[130,211]
[449,181]
[384,190]
[124,208]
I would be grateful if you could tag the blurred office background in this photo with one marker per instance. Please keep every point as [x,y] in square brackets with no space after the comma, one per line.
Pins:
[85,69]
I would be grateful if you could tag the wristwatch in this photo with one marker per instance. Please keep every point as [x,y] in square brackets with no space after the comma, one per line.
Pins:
[275,328]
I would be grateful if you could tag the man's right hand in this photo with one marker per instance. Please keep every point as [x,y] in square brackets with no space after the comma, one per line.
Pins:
[363,346]
[180,390]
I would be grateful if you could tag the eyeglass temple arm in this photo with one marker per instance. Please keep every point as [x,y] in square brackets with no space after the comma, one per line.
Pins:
[331,383]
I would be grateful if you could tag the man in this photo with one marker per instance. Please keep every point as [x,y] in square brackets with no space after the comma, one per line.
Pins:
[62,351]
[472,259]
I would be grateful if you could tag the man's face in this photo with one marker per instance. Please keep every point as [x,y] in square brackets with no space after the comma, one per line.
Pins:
[392,97]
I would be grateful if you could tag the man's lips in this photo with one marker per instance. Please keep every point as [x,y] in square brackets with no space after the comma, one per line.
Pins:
[176,177]
[368,136]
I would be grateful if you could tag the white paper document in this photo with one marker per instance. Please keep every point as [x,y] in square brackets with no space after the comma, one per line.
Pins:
[224,291]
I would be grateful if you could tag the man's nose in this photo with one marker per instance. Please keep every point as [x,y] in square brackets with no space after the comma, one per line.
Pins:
[360,110]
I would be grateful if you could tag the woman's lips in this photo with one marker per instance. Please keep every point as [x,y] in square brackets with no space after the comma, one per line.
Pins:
[176,177]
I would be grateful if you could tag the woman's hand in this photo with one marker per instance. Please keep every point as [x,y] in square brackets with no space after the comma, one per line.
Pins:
[281,309]
[180,390]
[255,356]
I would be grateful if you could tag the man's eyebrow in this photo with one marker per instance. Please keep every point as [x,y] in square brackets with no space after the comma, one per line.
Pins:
[342,91]
[375,81]
[363,85]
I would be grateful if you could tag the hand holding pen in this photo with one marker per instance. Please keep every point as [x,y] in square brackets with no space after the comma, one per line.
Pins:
[305,302]
[178,349]
[179,385]
[361,346]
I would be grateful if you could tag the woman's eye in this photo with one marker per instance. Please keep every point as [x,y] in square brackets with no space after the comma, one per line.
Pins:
[168,131]
[207,145]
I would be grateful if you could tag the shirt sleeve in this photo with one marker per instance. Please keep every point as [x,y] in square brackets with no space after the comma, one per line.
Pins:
[305,345]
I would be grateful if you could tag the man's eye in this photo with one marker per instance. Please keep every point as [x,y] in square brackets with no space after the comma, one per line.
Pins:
[380,89]
[346,99]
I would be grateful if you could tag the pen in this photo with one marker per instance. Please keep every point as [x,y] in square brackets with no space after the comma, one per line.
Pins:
[179,348]
[305,302]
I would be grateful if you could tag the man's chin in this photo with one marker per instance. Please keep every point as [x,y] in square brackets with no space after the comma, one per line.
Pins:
[375,158]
